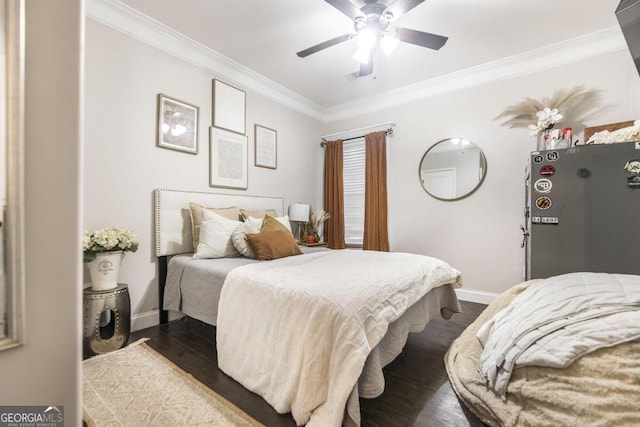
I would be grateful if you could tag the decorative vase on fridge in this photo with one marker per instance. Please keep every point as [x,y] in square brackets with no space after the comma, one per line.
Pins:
[104,270]
[543,140]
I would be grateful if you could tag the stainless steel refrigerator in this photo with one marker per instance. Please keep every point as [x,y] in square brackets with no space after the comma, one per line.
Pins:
[583,210]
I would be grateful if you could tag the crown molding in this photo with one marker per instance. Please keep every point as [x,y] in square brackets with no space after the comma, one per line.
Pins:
[135,24]
[129,21]
[562,53]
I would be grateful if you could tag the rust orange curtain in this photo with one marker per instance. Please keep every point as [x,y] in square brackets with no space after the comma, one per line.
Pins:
[334,195]
[376,236]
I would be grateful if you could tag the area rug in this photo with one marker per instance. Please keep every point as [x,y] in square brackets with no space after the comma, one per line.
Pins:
[137,386]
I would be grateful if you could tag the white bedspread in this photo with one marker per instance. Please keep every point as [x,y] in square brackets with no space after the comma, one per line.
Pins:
[298,330]
[558,320]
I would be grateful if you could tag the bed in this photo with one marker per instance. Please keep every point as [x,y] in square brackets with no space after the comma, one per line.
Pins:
[310,333]
[591,379]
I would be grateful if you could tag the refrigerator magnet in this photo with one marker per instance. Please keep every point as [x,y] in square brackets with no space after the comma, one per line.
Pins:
[552,156]
[632,167]
[547,170]
[542,185]
[543,203]
[633,181]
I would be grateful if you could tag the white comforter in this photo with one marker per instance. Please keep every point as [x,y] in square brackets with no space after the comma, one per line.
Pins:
[298,330]
[558,320]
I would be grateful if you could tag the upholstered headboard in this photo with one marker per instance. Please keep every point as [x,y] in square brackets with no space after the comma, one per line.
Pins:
[173,222]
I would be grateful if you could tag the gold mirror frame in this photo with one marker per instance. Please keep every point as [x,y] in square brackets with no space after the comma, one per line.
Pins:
[13,227]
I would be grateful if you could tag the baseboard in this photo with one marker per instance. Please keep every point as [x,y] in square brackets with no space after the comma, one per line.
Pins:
[150,318]
[472,295]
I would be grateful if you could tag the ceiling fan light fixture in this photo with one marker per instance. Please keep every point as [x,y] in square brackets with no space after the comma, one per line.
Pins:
[362,55]
[366,39]
[373,24]
[388,44]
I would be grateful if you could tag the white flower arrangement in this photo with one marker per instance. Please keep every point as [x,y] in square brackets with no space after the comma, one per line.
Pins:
[571,105]
[107,240]
[547,118]
[316,220]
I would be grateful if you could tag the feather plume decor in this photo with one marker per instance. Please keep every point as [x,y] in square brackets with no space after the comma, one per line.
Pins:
[573,106]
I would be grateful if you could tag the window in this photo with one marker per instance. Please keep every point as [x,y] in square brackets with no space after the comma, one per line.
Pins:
[353,181]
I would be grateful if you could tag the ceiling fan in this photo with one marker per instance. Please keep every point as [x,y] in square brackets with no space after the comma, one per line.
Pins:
[373,24]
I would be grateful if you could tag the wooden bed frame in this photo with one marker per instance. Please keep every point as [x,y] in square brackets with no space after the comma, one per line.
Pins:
[173,223]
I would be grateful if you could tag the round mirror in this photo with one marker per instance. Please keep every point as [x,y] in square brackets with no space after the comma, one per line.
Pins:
[452,169]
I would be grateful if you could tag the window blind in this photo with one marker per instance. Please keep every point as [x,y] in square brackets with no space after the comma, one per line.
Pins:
[354,181]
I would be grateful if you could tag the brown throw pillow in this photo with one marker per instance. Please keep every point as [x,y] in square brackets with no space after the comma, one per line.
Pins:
[272,224]
[273,244]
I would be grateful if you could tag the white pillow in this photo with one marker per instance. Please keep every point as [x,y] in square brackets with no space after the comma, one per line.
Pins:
[257,222]
[239,239]
[215,236]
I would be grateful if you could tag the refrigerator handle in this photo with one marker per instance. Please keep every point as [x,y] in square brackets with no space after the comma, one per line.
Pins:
[525,234]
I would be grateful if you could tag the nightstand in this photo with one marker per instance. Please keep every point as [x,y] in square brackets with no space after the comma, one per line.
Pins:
[314,245]
[107,319]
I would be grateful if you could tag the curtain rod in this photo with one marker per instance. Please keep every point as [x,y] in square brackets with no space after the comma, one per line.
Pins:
[388,131]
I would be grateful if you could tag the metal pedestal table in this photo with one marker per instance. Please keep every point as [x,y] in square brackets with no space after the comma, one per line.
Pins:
[107,319]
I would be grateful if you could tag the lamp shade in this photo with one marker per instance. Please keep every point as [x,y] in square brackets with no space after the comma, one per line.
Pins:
[362,55]
[299,212]
[388,44]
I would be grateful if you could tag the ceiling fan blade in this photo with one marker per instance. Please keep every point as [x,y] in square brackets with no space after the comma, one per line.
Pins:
[346,7]
[324,45]
[400,7]
[420,38]
[366,69]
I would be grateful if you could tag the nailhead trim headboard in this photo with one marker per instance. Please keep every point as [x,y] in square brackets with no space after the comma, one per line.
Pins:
[173,222]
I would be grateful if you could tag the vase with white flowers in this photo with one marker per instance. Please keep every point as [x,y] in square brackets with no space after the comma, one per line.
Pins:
[103,251]
[316,222]
[547,119]
[572,106]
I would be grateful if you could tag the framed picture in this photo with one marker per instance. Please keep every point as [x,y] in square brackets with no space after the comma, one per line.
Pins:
[228,107]
[177,124]
[227,159]
[266,147]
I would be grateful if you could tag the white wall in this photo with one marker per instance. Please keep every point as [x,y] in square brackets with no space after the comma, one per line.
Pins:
[480,235]
[123,164]
[46,369]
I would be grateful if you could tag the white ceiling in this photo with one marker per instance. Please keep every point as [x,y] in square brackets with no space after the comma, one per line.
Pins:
[265,36]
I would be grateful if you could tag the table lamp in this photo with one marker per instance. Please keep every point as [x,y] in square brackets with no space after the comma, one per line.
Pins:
[299,212]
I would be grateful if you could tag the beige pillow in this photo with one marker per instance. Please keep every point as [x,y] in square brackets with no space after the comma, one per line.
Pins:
[196,218]
[215,236]
[239,239]
[257,214]
[273,244]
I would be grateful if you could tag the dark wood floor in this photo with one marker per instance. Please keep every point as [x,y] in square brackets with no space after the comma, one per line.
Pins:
[417,391]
